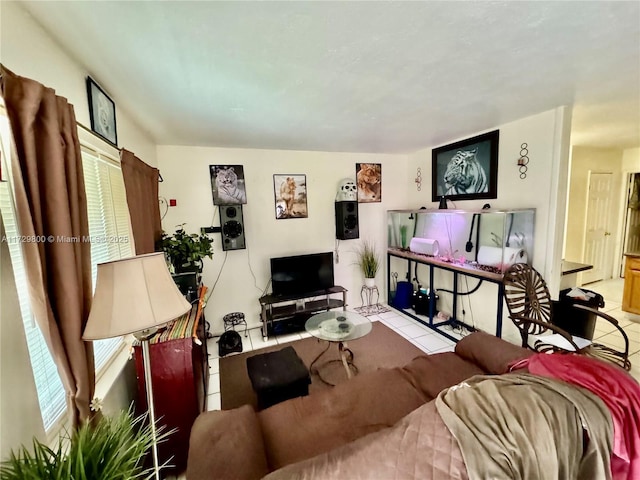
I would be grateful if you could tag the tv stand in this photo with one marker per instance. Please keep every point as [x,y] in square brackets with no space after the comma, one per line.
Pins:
[296,309]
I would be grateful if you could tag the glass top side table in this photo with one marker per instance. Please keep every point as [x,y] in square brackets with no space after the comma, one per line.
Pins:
[337,328]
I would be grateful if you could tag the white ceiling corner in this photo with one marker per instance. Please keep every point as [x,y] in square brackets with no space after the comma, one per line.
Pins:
[357,76]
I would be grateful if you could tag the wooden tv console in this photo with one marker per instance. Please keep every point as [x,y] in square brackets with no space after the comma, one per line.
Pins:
[298,308]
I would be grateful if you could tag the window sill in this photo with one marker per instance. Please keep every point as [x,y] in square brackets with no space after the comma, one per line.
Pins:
[111,372]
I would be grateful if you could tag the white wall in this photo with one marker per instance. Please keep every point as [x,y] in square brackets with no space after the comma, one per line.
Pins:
[186,178]
[631,160]
[29,51]
[547,136]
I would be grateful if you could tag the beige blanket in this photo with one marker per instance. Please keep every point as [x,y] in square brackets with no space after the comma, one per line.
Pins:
[418,447]
[521,426]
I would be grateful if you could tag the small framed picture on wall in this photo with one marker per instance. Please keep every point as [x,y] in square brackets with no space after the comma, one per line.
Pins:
[369,180]
[290,193]
[227,184]
[102,112]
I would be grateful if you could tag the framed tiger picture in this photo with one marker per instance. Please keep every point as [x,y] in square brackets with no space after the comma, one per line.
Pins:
[466,170]
[227,184]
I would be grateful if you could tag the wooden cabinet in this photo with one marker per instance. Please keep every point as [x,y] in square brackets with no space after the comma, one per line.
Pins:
[296,309]
[179,375]
[631,295]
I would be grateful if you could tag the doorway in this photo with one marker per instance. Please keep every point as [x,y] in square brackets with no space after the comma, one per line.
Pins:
[597,242]
[631,229]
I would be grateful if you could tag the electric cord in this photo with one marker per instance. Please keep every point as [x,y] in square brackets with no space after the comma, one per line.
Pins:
[163,205]
[468,292]
[206,300]
[255,281]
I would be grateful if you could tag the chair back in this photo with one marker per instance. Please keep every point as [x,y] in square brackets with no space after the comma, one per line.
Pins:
[527,297]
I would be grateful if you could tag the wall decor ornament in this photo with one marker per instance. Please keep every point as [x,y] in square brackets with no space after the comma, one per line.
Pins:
[227,184]
[102,112]
[347,191]
[523,161]
[369,180]
[290,192]
[466,170]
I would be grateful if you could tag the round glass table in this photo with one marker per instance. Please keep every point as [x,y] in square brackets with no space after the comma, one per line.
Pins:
[337,327]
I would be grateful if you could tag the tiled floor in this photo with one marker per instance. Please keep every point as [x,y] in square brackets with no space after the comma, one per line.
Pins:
[422,337]
[430,341]
[611,290]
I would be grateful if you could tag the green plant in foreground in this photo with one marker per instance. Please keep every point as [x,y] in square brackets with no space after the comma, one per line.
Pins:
[114,449]
[368,259]
[186,250]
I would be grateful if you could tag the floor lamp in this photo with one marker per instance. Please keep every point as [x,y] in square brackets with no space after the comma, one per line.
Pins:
[135,296]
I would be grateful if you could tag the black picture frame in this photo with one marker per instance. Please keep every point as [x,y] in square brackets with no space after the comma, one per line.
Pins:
[102,112]
[230,188]
[473,179]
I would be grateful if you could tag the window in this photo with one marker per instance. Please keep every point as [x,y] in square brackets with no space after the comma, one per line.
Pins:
[109,228]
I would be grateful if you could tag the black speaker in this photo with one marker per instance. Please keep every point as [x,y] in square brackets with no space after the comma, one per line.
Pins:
[232,227]
[347,220]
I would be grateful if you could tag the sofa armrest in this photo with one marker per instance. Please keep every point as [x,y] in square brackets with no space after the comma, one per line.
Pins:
[227,444]
[490,353]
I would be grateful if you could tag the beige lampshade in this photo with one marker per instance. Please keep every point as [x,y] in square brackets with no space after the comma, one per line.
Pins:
[131,295]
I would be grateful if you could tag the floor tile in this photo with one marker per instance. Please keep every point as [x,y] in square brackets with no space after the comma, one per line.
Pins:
[389,314]
[396,321]
[214,365]
[414,331]
[212,347]
[450,348]
[214,402]
[214,384]
[433,342]
[616,341]
[291,337]
[257,339]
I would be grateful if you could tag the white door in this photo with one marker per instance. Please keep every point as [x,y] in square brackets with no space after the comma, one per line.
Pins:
[597,242]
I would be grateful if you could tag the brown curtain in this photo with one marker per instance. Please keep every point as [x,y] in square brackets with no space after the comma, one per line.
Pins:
[141,184]
[52,210]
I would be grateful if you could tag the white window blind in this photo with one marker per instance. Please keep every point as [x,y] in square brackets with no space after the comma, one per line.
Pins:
[109,228]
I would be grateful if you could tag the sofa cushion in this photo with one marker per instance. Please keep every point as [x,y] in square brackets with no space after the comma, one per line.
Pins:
[227,444]
[433,373]
[490,353]
[307,426]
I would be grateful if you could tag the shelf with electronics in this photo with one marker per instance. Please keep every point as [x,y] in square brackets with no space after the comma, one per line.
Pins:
[282,314]
[479,244]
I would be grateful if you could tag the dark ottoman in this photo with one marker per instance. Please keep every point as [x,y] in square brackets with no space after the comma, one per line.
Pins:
[278,376]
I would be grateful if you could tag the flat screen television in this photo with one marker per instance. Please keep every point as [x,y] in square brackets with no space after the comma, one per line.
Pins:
[301,273]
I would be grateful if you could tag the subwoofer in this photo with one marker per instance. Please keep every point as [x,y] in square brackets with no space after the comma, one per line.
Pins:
[232,227]
[347,220]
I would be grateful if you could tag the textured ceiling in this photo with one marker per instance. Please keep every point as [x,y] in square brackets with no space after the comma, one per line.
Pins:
[357,76]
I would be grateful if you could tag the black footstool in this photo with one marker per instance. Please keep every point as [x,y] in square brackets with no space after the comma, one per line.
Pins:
[278,376]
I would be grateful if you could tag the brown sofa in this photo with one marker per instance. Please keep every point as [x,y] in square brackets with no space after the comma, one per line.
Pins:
[244,444]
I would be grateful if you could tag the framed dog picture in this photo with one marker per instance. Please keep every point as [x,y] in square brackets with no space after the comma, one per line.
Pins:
[290,193]
[466,170]
[102,112]
[369,181]
[227,184]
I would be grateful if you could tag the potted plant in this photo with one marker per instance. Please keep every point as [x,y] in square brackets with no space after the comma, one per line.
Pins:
[369,262]
[114,448]
[185,251]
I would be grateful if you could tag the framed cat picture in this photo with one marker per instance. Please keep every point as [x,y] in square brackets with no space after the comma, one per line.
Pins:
[227,184]
[369,181]
[290,192]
